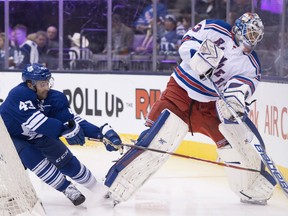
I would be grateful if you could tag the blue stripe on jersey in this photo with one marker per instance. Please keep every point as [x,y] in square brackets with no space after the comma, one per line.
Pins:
[188,37]
[255,62]
[219,26]
[193,84]
[247,81]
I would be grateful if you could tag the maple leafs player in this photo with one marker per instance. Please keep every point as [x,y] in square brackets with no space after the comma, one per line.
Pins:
[226,54]
[36,116]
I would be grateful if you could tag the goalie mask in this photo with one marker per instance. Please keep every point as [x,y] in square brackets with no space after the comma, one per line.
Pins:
[37,72]
[248,30]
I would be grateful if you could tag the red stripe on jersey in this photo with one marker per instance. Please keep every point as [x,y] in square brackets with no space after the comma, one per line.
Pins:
[194,84]
[220,28]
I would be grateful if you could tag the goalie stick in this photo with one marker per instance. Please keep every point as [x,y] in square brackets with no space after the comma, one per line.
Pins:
[259,147]
[174,154]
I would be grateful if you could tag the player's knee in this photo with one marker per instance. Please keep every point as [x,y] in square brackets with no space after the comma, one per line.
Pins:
[30,157]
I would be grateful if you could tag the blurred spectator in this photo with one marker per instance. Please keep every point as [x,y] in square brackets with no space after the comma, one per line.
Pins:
[2,52]
[205,9]
[11,37]
[183,25]
[25,51]
[31,36]
[146,46]
[143,23]
[77,53]
[122,37]
[238,7]
[41,41]
[169,41]
[52,37]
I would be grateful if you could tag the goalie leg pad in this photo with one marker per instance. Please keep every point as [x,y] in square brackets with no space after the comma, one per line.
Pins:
[133,153]
[136,166]
[247,185]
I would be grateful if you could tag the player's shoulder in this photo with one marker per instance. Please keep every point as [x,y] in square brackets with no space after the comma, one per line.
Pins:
[218,25]
[22,92]
[254,57]
[57,95]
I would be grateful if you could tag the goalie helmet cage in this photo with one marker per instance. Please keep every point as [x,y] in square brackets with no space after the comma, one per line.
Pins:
[17,194]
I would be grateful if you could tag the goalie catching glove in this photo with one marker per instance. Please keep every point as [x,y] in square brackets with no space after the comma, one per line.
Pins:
[111,139]
[73,133]
[235,96]
[206,59]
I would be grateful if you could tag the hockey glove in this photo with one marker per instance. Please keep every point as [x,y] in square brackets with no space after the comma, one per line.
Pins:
[74,133]
[114,141]
[235,97]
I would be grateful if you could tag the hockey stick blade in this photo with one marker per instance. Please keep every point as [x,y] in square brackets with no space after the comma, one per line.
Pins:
[177,155]
[259,147]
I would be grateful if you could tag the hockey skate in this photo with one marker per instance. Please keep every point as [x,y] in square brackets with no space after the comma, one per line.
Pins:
[73,194]
[254,202]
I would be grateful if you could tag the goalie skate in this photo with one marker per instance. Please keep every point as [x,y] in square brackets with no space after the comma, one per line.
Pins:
[136,166]
[254,202]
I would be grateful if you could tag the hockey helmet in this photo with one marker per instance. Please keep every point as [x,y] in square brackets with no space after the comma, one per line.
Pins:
[248,30]
[36,72]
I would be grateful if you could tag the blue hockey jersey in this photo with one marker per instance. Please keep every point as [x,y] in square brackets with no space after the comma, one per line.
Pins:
[26,116]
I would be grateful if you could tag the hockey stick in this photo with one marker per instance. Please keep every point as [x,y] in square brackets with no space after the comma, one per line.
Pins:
[174,154]
[259,147]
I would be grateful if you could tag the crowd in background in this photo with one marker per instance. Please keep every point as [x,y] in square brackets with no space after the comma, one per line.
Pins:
[132,35]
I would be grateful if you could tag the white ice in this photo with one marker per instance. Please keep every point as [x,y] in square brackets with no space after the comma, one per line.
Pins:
[181,187]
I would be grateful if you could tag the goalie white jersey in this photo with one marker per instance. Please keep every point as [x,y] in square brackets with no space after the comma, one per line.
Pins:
[247,72]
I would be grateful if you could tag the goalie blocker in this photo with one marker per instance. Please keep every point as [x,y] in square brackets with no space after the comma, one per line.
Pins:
[131,171]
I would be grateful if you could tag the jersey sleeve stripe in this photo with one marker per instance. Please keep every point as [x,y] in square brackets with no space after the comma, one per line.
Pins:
[35,121]
[77,118]
[218,29]
[246,81]
[188,38]
[193,84]
[255,63]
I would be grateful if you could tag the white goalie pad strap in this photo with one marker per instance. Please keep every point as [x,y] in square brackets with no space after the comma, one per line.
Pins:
[208,56]
[145,163]
[246,184]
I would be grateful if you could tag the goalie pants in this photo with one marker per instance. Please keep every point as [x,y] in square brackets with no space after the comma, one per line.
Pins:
[200,117]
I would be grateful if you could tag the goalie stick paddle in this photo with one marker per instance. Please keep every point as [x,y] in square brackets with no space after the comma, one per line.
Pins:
[259,147]
[175,154]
